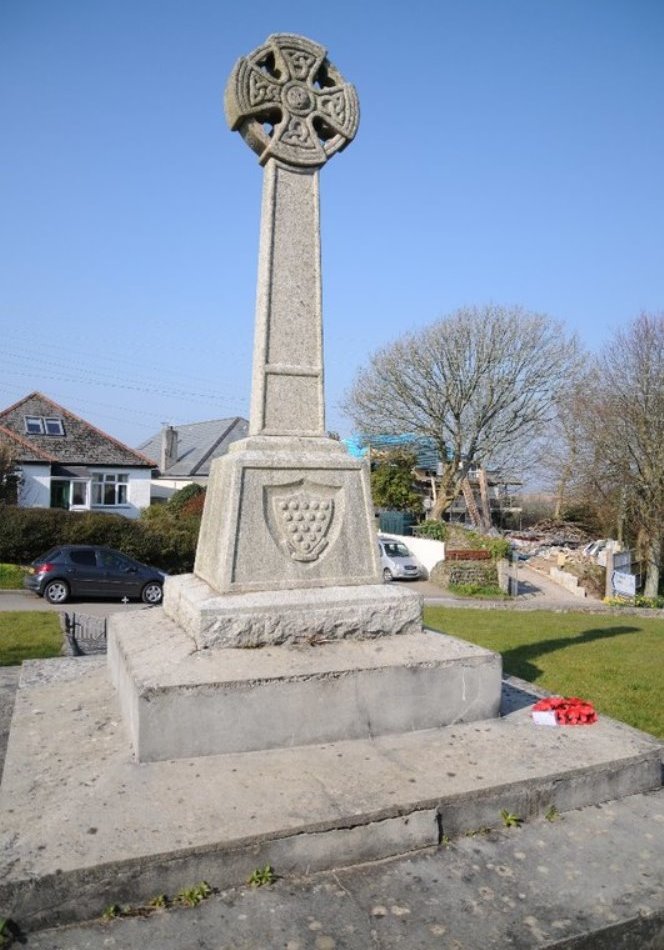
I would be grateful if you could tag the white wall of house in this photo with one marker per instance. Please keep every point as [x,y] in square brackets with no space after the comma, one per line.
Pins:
[35,488]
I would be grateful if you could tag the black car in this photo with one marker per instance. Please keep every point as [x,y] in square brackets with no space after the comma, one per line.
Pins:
[88,570]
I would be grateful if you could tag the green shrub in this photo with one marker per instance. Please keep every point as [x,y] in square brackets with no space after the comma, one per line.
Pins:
[654,603]
[499,547]
[435,530]
[180,498]
[26,533]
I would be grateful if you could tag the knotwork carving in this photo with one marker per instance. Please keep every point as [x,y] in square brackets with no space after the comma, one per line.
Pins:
[289,102]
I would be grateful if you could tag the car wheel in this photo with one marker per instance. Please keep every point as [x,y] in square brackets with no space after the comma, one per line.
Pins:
[152,593]
[387,575]
[56,592]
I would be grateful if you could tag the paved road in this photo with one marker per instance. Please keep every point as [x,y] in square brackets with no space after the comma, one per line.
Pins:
[26,600]
[536,591]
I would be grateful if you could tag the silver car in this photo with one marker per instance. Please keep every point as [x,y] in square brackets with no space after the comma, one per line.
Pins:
[397,561]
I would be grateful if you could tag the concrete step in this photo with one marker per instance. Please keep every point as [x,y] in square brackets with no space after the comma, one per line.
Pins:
[299,694]
[593,879]
[84,826]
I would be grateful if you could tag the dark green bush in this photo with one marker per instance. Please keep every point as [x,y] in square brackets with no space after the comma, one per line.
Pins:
[26,533]
[180,498]
[435,530]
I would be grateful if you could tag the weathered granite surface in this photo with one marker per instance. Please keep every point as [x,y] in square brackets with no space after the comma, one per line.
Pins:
[287,513]
[315,615]
[288,508]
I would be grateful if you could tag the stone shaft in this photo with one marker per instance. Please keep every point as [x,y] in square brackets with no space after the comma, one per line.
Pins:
[287,386]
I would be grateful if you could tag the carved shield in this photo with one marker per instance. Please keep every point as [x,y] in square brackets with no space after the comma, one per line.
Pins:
[300,516]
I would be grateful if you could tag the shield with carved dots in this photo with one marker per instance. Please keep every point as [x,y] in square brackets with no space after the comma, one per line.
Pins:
[300,519]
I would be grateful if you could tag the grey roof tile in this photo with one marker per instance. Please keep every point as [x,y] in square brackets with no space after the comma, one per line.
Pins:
[81,444]
[199,443]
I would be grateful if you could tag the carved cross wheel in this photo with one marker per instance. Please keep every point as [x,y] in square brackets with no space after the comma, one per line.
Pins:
[289,102]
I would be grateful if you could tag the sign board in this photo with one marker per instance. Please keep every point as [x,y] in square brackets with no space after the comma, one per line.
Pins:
[622,561]
[624,584]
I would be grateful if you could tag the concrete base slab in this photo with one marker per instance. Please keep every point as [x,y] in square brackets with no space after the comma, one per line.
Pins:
[316,615]
[591,880]
[84,826]
[181,702]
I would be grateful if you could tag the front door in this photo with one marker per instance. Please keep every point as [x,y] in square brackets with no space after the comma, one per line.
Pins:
[60,492]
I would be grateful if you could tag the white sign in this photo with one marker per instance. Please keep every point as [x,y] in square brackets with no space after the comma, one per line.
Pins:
[624,584]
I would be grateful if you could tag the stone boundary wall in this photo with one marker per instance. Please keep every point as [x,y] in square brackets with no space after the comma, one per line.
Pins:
[482,573]
[569,581]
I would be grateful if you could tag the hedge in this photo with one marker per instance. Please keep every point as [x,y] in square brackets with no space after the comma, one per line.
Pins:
[27,533]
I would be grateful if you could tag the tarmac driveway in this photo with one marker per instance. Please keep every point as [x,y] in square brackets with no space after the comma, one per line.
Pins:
[27,600]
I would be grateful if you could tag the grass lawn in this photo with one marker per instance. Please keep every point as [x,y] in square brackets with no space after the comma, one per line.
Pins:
[28,635]
[617,663]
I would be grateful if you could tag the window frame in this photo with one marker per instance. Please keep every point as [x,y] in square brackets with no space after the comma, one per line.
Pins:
[110,485]
[37,423]
[44,425]
[53,421]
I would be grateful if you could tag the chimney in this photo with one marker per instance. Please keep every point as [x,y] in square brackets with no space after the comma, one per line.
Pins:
[169,448]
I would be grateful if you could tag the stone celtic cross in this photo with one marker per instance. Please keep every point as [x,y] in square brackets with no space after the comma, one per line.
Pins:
[293,108]
[289,85]
[287,508]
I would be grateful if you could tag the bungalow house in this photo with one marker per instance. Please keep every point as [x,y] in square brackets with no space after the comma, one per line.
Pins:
[186,452]
[65,462]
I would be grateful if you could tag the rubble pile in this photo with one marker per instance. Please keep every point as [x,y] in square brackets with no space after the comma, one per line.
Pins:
[549,538]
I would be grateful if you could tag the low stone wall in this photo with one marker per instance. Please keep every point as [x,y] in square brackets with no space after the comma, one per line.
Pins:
[569,581]
[483,573]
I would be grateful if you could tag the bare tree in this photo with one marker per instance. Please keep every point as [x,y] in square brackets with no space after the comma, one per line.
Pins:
[622,417]
[480,384]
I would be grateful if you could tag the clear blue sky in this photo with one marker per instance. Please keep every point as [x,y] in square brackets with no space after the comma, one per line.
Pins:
[509,151]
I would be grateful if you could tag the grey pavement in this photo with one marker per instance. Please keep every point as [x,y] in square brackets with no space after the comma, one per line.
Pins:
[593,878]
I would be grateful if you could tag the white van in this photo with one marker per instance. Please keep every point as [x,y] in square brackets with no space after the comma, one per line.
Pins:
[397,562]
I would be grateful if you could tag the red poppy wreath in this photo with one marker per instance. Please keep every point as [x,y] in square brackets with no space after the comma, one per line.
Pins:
[564,711]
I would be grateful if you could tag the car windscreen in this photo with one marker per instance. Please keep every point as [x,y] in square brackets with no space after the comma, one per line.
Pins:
[394,549]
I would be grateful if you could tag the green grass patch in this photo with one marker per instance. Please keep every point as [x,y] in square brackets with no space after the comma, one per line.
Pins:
[617,663]
[481,591]
[28,635]
[11,577]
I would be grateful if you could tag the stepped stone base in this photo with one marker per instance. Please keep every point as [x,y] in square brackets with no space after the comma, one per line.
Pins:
[289,616]
[83,826]
[179,701]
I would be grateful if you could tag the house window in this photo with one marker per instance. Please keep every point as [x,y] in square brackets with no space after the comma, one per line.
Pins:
[109,488]
[53,426]
[44,425]
[34,425]
[79,494]
[66,493]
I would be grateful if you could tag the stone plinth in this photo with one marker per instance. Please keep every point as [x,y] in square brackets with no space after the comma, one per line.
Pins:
[287,513]
[180,702]
[316,615]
